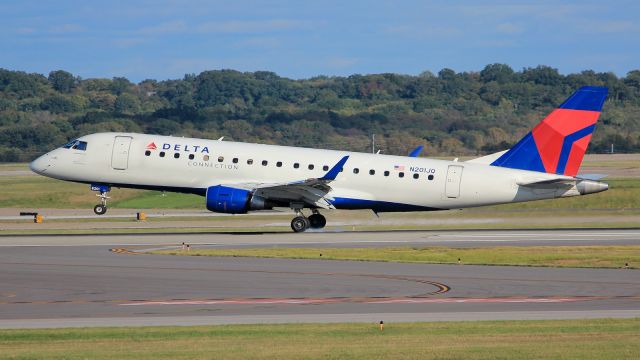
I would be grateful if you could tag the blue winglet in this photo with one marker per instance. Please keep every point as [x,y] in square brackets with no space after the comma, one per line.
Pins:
[335,170]
[416,151]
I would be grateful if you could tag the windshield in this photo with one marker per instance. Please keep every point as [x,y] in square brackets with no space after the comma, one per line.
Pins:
[76,145]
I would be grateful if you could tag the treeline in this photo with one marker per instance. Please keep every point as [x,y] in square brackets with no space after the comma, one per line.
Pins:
[468,113]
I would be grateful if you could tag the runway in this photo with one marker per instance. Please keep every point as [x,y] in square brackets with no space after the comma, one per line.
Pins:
[67,281]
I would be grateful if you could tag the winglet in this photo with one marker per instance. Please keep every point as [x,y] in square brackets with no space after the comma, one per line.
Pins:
[335,170]
[416,151]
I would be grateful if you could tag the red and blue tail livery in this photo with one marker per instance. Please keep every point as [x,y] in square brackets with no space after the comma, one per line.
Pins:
[558,143]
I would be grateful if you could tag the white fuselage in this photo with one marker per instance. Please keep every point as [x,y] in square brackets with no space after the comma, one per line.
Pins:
[391,183]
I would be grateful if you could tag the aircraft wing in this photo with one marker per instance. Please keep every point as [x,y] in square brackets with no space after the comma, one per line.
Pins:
[312,192]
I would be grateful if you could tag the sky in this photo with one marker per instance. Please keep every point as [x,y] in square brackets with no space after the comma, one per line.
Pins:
[166,39]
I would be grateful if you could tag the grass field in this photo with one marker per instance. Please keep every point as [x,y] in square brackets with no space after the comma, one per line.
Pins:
[41,192]
[618,207]
[565,339]
[555,256]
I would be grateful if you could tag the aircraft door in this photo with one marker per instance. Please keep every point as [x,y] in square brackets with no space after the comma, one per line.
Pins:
[454,178]
[120,154]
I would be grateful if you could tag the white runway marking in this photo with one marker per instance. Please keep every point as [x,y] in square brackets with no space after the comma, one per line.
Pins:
[297,301]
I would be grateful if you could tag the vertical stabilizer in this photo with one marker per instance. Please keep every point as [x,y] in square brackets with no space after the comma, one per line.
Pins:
[558,143]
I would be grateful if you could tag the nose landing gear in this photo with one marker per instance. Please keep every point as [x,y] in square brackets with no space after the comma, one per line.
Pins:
[101,208]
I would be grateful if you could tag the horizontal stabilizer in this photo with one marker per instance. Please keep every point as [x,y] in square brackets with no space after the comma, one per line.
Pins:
[594,177]
[544,180]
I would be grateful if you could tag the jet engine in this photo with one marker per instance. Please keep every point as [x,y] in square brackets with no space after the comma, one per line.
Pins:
[230,200]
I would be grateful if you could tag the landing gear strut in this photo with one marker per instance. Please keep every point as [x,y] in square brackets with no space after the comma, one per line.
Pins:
[300,223]
[101,208]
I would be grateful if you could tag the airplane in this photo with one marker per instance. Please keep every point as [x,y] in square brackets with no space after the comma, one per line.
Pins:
[235,177]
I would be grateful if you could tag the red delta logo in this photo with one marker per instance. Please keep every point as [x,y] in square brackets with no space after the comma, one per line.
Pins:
[152,146]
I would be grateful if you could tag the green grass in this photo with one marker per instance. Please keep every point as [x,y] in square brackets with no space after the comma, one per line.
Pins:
[555,256]
[623,194]
[159,200]
[558,339]
[14,167]
[42,192]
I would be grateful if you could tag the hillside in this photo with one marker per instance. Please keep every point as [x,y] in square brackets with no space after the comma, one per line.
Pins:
[466,113]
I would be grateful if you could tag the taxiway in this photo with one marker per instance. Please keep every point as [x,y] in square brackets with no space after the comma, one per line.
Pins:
[66,281]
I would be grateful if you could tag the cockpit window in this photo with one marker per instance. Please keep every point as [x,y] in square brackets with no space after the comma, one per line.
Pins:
[76,145]
[70,144]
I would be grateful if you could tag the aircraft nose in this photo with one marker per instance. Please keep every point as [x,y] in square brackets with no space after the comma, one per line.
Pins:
[40,165]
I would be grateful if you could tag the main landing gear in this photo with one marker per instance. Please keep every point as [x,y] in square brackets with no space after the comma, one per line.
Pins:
[301,223]
[101,208]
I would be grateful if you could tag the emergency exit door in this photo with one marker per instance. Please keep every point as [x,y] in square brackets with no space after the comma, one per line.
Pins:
[454,177]
[120,154]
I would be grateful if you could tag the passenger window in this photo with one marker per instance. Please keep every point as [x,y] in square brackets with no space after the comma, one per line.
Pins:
[234,160]
[401,174]
[296,165]
[264,162]
[249,161]
[356,170]
[191,156]
[415,176]
[372,172]
[161,153]
[386,173]
[311,166]
[176,155]
[205,158]
[220,158]
[279,164]
[147,153]
[325,168]
[430,177]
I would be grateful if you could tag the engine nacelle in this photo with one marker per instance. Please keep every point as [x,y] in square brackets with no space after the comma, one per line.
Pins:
[230,200]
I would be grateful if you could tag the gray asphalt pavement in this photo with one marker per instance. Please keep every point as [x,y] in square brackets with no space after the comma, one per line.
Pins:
[321,238]
[63,281]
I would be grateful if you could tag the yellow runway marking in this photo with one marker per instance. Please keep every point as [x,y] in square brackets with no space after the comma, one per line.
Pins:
[124,251]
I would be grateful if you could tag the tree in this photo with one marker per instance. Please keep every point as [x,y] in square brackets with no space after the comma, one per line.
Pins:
[119,85]
[62,81]
[127,104]
[60,104]
[500,73]
[543,75]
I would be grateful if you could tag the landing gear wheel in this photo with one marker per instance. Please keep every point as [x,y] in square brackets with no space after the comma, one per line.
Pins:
[317,221]
[100,209]
[300,224]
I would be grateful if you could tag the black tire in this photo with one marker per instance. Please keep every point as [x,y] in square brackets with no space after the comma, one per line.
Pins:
[317,221]
[299,224]
[100,209]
